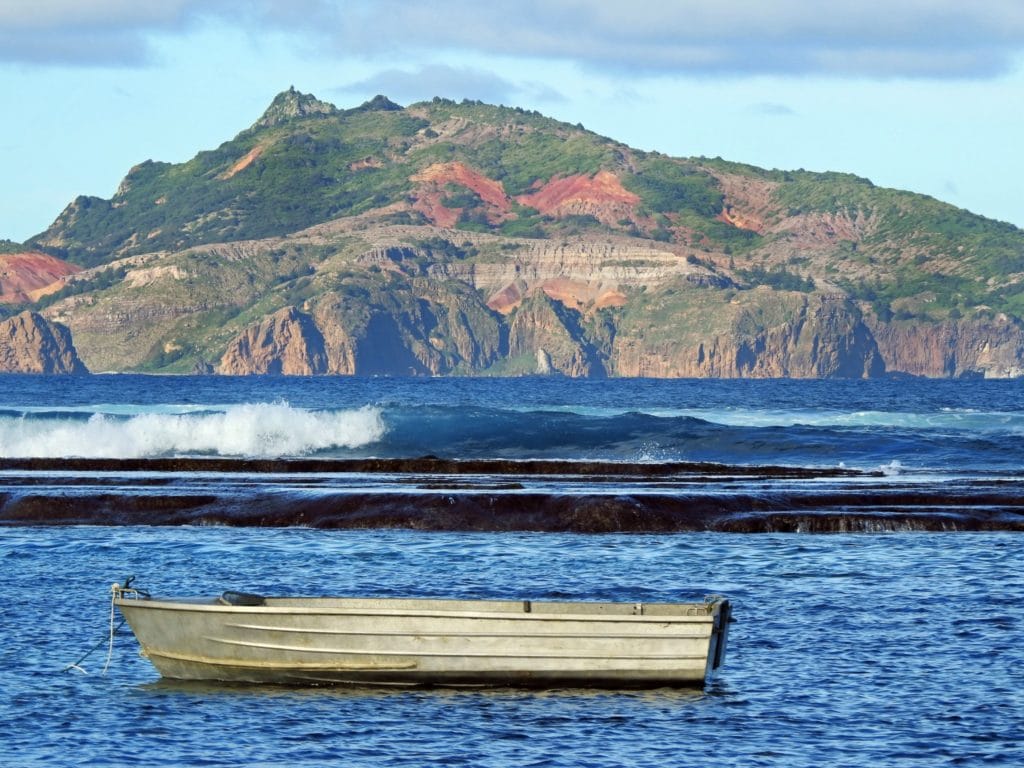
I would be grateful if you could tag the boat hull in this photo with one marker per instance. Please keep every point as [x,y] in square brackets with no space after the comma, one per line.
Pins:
[308,641]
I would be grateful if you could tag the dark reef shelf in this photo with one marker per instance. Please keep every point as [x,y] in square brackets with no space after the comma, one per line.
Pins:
[430,493]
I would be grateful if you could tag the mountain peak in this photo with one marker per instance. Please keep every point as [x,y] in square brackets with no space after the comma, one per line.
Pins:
[379,103]
[292,104]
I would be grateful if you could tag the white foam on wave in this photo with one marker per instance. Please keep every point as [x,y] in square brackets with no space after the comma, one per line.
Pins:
[258,430]
[893,469]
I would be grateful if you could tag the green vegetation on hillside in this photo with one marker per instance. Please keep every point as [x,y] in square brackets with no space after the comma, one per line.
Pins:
[804,192]
[100,281]
[302,174]
[544,156]
[778,277]
[296,171]
[305,162]
[670,186]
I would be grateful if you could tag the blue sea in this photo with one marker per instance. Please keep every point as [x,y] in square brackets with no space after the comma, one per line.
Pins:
[877,583]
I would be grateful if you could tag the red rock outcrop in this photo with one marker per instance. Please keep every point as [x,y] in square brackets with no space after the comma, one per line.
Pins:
[431,193]
[823,337]
[601,196]
[244,162]
[508,298]
[29,343]
[25,276]
[748,201]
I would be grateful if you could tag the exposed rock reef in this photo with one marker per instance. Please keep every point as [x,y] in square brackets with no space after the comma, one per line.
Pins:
[31,344]
[467,239]
[653,497]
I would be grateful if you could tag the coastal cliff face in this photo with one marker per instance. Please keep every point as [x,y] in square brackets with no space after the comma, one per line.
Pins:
[615,308]
[774,336]
[546,335]
[992,348]
[467,239]
[397,328]
[31,344]
[287,342]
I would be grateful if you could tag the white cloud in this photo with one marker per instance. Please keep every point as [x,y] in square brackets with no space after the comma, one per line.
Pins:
[863,38]
[452,82]
[872,38]
[94,32]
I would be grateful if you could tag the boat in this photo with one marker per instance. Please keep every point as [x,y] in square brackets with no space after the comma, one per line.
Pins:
[242,637]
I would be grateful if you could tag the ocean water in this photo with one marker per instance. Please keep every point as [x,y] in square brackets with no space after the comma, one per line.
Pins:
[918,425]
[849,650]
[893,646]
[667,455]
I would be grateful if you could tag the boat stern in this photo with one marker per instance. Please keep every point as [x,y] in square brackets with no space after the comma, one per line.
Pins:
[721,611]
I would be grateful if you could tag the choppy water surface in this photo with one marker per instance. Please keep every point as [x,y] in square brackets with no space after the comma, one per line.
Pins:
[874,649]
[849,650]
[915,425]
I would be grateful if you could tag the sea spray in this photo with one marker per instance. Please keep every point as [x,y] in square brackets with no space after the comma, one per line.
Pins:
[247,430]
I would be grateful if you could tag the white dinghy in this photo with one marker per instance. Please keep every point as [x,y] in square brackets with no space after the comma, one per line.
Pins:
[240,637]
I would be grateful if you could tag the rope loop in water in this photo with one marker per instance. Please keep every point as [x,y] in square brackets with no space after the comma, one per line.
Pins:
[116,591]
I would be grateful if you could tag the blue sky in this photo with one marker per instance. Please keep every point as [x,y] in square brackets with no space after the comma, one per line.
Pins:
[925,95]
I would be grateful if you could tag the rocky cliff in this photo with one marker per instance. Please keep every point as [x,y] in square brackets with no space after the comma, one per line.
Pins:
[287,342]
[773,335]
[685,328]
[989,347]
[31,344]
[501,306]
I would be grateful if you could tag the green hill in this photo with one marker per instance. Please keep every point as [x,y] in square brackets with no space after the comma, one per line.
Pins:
[534,227]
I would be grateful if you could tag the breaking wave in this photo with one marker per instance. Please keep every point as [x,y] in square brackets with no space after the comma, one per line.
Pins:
[900,443]
[250,430]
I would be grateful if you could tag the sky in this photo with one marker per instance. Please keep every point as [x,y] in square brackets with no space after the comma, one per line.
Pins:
[922,95]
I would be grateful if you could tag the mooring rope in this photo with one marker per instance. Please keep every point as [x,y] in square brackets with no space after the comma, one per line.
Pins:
[77,664]
[116,590]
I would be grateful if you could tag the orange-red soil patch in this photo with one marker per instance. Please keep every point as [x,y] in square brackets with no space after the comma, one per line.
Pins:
[23,275]
[507,299]
[244,162]
[433,180]
[563,195]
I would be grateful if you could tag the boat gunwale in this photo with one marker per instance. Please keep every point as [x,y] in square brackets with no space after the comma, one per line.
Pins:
[704,613]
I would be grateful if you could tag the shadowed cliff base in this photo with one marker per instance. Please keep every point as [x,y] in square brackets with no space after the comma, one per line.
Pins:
[476,496]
